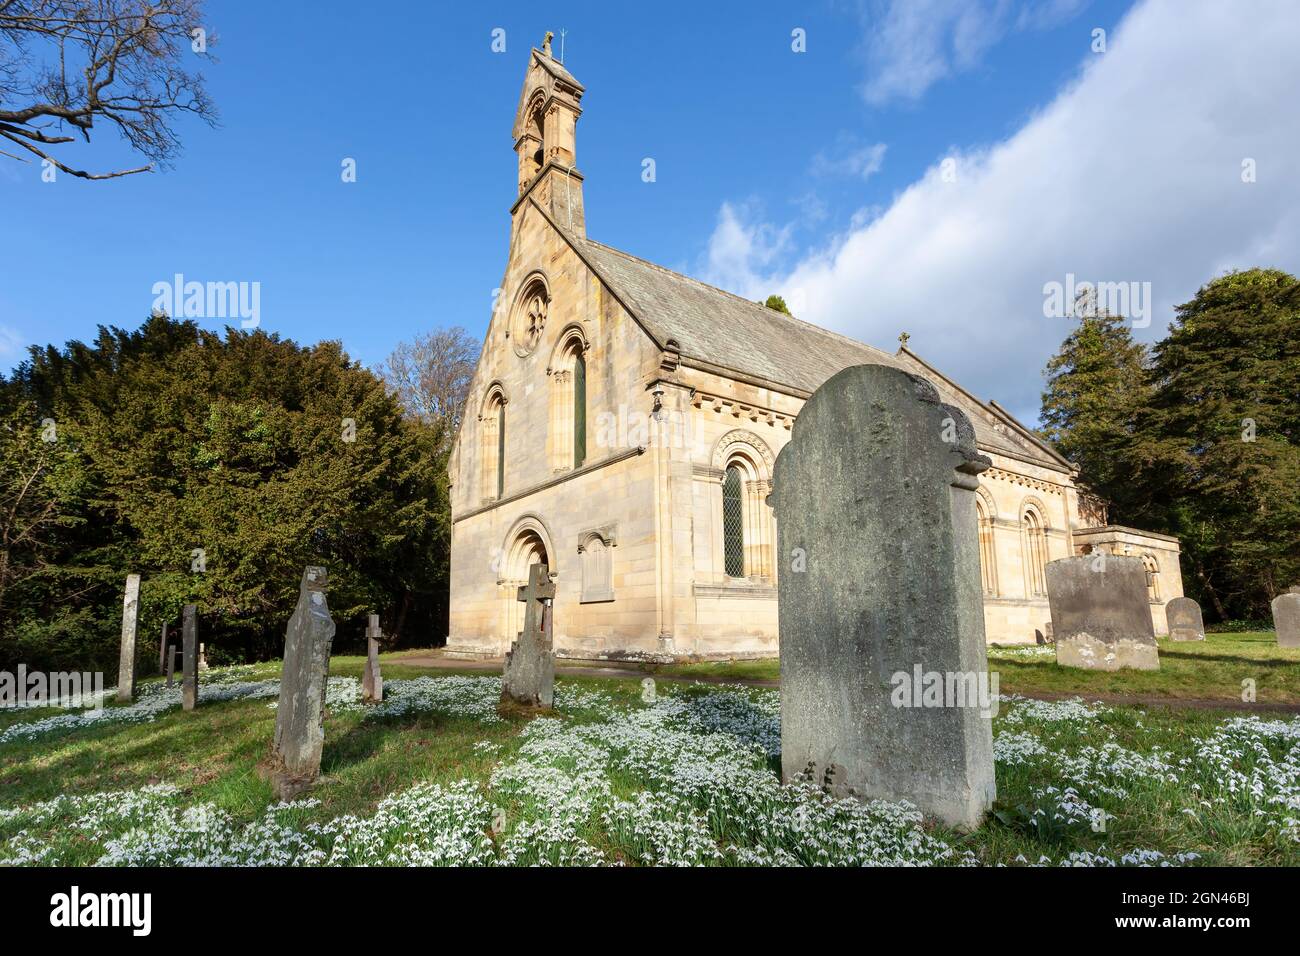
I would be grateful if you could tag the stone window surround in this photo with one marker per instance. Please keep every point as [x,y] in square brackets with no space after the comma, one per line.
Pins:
[608,535]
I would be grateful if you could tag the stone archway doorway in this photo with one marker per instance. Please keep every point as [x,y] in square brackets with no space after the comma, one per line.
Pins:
[527,549]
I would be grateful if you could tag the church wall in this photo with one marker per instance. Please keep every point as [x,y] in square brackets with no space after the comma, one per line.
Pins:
[613,492]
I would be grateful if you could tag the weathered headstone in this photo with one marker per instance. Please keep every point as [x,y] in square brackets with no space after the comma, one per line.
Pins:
[528,679]
[1100,613]
[1286,618]
[1184,618]
[203,657]
[875,506]
[372,681]
[171,666]
[300,720]
[130,624]
[162,650]
[190,657]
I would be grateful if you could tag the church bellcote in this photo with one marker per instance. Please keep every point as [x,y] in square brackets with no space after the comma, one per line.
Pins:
[544,132]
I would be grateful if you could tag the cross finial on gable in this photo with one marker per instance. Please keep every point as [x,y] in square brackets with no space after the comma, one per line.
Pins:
[902,339]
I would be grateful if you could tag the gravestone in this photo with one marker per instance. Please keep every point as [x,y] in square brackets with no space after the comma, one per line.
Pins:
[171,666]
[528,679]
[1100,613]
[203,657]
[372,681]
[190,657]
[300,719]
[1184,618]
[162,650]
[1286,618]
[875,507]
[130,624]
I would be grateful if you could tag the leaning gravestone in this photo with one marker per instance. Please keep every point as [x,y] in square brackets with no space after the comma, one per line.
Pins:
[372,681]
[130,625]
[1286,618]
[190,658]
[528,679]
[875,501]
[300,719]
[1184,618]
[1100,613]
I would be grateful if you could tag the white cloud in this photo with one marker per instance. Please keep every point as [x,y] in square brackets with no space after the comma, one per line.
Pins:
[912,44]
[1133,173]
[861,162]
[11,344]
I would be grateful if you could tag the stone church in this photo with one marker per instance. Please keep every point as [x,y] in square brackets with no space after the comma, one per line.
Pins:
[622,426]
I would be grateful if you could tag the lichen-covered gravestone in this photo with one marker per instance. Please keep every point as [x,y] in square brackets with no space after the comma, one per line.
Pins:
[528,679]
[1100,613]
[130,625]
[875,515]
[372,681]
[1184,618]
[1286,618]
[300,719]
[190,657]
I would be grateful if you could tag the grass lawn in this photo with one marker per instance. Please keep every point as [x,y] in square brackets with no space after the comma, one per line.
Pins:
[1212,669]
[435,776]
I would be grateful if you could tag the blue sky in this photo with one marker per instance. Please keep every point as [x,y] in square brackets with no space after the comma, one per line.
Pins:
[814,174]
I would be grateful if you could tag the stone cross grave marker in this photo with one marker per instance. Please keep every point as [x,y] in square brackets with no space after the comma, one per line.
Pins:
[372,681]
[879,591]
[1184,618]
[130,625]
[1100,612]
[190,657]
[528,679]
[300,719]
[1286,618]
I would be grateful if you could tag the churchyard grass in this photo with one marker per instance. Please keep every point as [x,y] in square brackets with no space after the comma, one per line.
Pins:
[1212,669]
[689,778]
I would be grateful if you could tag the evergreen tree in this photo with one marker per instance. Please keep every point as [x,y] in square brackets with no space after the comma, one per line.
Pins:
[1096,389]
[1225,435]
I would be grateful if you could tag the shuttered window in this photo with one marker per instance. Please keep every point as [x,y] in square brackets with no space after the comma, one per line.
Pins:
[733,523]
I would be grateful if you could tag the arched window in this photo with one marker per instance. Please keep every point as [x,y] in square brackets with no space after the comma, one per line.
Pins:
[492,428]
[568,373]
[579,411]
[733,523]
[1034,545]
[988,555]
[1153,577]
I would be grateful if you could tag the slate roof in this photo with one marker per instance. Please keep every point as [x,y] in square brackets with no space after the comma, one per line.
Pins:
[715,327]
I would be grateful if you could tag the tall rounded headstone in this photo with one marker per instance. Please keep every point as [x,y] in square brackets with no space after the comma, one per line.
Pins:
[1100,613]
[1184,618]
[300,718]
[1286,618]
[130,627]
[875,513]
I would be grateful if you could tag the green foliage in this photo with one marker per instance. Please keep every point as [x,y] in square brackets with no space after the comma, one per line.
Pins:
[777,303]
[217,466]
[1096,389]
[1203,439]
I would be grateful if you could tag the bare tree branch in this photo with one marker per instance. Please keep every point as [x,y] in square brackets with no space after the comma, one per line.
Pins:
[68,63]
